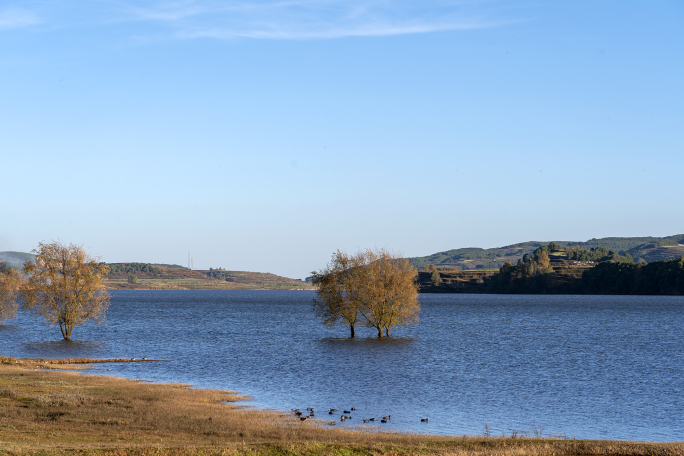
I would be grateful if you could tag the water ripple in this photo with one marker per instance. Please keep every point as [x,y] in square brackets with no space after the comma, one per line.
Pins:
[586,366]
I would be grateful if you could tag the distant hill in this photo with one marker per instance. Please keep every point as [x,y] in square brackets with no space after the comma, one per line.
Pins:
[146,276]
[647,249]
[152,276]
[16,260]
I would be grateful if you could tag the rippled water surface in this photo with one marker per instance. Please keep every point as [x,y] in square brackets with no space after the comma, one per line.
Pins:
[586,366]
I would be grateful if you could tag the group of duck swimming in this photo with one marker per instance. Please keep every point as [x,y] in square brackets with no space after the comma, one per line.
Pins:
[346,415]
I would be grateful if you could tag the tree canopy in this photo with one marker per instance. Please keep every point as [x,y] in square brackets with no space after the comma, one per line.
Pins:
[132,268]
[338,284]
[65,286]
[374,288]
[656,278]
[598,255]
[8,293]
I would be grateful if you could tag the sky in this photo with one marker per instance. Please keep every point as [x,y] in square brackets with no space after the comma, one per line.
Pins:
[265,135]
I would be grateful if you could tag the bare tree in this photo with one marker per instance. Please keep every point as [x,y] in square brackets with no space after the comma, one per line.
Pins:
[374,288]
[65,286]
[8,294]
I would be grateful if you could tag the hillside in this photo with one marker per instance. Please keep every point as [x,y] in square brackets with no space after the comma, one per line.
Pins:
[16,260]
[145,276]
[647,249]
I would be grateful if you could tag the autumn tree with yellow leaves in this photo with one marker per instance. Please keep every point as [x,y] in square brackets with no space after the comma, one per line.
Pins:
[543,259]
[65,286]
[9,282]
[375,288]
[336,299]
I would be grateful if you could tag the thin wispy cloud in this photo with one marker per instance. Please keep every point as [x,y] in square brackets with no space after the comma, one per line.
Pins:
[312,19]
[258,19]
[12,18]
[367,30]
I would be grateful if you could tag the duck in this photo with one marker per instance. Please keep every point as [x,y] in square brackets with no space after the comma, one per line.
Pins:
[365,421]
[303,418]
[353,409]
[387,417]
[346,411]
[383,421]
[298,413]
[424,420]
[330,412]
[333,410]
[371,419]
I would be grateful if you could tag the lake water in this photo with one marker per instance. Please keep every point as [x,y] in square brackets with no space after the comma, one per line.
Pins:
[605,367]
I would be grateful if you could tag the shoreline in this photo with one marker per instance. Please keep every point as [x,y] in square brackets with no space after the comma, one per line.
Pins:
[210,289]
[45,408]
[177,288]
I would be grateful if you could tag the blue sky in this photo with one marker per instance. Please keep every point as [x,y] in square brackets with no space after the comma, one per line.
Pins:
[265,135]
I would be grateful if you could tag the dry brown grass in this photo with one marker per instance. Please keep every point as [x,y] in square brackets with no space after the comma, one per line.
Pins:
[55,412]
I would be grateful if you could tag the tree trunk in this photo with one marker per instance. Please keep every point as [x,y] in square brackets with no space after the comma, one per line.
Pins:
[380,332]
[388,331]
[352,330]
[66,330]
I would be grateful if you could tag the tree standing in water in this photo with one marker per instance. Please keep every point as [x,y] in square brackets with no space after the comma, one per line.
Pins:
[389,296]
[374,288]
[65,286]
[8,294]
[336,298]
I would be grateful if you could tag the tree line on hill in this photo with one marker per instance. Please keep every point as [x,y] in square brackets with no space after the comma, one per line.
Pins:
[656,278]
[219,274]
[132,268]
[469,258]
[435,275]
[597,255]
[614,274]
[631,244]
[530,273]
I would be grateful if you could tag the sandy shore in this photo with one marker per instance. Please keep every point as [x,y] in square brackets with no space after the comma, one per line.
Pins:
[46,410]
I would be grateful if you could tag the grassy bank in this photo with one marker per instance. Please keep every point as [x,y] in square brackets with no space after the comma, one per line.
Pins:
[48,411]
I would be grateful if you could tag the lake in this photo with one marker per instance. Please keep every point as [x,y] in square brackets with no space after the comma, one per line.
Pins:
[594,367]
